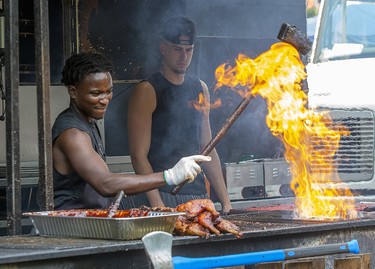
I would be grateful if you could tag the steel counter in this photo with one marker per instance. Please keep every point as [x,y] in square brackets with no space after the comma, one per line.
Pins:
[54,252]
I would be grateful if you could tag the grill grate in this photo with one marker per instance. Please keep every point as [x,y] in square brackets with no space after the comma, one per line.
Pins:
[354,160]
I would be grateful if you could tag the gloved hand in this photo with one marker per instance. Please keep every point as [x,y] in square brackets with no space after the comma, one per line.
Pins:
[186,169]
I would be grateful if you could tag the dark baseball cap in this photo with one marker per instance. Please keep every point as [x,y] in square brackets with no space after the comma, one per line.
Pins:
[179,30]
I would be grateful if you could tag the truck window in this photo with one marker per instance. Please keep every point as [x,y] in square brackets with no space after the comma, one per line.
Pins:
[349,30]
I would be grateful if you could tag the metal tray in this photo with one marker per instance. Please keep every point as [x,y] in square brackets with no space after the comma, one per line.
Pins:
[102,227]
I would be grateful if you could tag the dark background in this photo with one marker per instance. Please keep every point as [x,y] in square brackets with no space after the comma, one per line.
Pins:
[27,39]
[127,32]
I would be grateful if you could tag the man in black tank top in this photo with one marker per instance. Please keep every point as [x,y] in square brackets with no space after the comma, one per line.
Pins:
[81,176]
[164,125]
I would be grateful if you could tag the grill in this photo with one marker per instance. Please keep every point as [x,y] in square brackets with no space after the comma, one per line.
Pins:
[354,159]
[265,228]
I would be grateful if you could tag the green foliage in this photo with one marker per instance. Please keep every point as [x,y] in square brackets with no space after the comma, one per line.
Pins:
[311,12]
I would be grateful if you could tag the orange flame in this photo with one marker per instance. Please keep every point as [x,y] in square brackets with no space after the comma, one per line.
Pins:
[276,75]
[203,104]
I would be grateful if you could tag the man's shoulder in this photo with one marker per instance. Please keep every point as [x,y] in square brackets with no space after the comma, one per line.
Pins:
[155,78]
[198,83]
[194,78]
[68,117]
[67,120]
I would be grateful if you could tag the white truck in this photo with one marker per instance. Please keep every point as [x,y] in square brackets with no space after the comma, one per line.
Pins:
[341,80]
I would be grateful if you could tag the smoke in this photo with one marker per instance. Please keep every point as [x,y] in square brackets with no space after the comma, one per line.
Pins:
[128,32]
[249,136]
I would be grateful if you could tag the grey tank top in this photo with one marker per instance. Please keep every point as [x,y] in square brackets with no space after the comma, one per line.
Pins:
[176,127]
[71,191]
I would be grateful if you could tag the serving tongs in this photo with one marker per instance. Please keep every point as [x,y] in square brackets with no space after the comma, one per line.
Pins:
[116,203]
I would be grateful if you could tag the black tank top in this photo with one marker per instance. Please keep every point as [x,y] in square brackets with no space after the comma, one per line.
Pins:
[71,191]
[176,127]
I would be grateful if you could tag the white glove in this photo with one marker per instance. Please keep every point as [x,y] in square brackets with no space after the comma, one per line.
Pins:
[186,169]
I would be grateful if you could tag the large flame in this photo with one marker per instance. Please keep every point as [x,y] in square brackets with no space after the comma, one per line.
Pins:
[276,75]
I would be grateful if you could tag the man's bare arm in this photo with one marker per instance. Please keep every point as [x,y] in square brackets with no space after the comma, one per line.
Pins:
[141,106]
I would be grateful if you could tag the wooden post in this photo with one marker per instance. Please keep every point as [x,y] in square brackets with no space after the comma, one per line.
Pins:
[366,261]
[307,263]
[360,261]
[269,265]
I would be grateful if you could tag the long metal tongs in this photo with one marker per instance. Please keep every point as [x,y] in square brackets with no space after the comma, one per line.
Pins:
[116,203]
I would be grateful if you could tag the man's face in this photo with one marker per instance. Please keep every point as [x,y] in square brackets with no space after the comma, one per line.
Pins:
[176,57]
[92,95]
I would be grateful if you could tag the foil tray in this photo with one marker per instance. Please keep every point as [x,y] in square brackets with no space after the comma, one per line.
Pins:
[102,227]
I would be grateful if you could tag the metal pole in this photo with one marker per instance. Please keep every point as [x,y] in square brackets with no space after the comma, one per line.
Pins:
[70,27]
[13,191]
[42,63]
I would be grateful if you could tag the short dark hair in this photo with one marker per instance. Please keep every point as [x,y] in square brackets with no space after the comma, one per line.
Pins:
[78,66]
[177,26]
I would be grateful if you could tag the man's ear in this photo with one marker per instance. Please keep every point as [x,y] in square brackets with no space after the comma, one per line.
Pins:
[72,91]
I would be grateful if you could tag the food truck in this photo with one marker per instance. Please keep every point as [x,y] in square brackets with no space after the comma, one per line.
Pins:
[340,81]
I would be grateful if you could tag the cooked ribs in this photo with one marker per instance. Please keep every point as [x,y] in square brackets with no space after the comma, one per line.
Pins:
[100,213]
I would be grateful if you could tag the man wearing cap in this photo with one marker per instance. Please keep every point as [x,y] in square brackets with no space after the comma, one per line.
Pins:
[163,124]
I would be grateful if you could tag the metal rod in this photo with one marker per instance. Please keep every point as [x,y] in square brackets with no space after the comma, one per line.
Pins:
[223,130]
[70,27]
[42,62]
[13,190]
[112,210]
